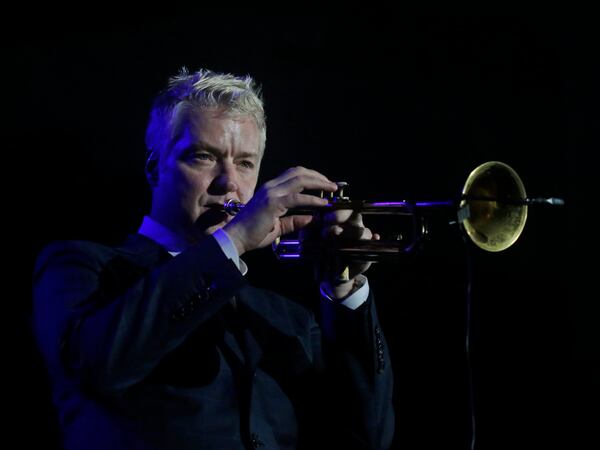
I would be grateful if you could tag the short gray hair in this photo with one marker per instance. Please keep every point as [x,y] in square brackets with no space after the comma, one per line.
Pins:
[203,89]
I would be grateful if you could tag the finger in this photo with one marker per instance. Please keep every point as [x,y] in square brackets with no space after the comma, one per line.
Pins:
[337,216]
[302,182]
[290,224]
[305,200]
[345,216]
[366,234]
[356,220]
[333,231]
[296,172]
[347,232]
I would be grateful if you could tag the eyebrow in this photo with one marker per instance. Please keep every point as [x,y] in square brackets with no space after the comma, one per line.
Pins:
[201,145]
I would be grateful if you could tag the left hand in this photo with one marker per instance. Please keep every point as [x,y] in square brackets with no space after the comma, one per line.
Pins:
[339,275]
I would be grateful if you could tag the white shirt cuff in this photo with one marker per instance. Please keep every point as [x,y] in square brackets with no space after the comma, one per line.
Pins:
[355,299]
[229,249]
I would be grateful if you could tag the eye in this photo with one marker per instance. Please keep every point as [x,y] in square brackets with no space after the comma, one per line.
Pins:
[201,157]
[247,164]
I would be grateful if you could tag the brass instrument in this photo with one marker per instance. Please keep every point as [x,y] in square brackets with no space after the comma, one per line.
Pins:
[492,211]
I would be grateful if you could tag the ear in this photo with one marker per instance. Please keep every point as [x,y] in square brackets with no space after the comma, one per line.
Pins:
[151,169]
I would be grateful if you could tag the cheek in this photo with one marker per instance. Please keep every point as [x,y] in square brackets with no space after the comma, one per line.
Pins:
[247,191]
[192,183]
[197,185]
[195,193]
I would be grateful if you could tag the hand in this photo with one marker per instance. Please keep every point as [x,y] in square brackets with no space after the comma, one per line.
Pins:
[339,275]
[261,221]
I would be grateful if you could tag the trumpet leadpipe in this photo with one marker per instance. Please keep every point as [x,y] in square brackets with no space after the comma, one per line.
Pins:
[234,207]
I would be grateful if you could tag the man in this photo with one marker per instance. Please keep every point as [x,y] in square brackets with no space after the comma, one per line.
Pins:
[161,343]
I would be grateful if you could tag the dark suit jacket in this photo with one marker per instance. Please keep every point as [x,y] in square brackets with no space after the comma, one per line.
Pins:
[147,351]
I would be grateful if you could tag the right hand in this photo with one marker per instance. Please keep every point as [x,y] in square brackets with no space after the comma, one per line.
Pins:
[261,221]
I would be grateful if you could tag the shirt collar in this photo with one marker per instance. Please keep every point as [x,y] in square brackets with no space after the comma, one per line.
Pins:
[171,241]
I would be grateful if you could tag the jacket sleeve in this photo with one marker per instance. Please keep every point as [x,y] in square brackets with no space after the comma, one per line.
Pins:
[358,375]
[112,338]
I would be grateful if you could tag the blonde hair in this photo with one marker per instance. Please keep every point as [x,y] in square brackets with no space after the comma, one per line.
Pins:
[203,89]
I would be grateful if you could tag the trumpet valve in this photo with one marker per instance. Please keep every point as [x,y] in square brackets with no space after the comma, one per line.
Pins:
[338,196]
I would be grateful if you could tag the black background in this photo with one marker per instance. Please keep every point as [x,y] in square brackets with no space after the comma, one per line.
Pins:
[401,104]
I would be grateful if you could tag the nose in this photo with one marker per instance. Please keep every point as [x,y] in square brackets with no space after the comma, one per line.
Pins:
[226,179]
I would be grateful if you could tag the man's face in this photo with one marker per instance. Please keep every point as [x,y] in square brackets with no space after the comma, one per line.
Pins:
[215,157]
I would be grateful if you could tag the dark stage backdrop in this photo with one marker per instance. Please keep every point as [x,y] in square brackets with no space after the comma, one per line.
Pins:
[402,105]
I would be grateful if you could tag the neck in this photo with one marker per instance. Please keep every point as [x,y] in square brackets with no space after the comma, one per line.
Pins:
[189,234]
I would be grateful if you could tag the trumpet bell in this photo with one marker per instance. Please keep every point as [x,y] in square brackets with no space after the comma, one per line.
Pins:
[495,202]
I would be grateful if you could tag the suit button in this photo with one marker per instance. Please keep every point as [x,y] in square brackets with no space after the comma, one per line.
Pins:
[179,314]
[192,303]
[209,291]
[256,442]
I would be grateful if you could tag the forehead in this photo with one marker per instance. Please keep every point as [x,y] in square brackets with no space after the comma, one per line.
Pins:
[222,129]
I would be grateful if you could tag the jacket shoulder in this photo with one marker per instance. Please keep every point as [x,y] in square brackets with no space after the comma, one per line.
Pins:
[82,252]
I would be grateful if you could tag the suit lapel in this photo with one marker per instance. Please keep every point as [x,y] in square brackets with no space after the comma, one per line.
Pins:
[241,341]
[271,339]
[143,251]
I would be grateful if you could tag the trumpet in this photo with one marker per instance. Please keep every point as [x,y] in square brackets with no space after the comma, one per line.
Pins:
[491,211]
